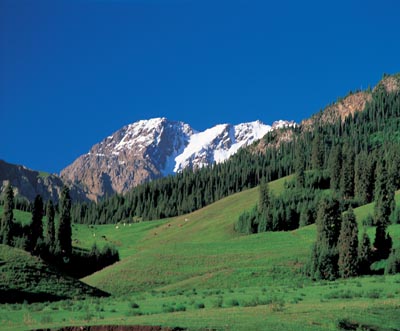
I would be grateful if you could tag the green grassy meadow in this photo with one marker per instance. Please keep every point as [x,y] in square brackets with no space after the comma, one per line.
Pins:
[194,271]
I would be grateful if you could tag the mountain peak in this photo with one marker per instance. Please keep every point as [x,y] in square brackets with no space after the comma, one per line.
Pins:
[157,147]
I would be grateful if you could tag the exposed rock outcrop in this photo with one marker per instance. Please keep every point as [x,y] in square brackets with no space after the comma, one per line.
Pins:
[154,148]
[28,183]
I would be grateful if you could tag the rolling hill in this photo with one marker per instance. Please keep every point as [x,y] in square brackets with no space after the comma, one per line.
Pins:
[26,278]
[194,271]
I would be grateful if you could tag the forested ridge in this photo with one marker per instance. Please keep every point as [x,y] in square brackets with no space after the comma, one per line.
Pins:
[359,140]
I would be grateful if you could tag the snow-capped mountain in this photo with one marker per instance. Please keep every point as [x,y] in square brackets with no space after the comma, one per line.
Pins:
[154,148]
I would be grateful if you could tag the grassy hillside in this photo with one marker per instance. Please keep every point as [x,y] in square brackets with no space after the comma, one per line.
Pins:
[27,278]
[194,271]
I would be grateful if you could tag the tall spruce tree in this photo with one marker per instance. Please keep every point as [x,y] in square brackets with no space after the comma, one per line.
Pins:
[363,178]
[324,257]
[382,243]
[348,246]
[8,215]
[384,195]
[384,202]
[300,167]
[264,207]
[364,254]
[36,226]
[64,230]
[317,152]
[335,167]
[50,227]
[347,174]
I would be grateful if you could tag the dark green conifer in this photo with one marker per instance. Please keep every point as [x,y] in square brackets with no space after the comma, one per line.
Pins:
[50,226]
[364,255]
[317,152]
[8,215]
[364,178]
[335,167]
[382,243]
[264,206]
[300,167]
[384,196]
[348,246]
[36,226]
[324,257]
[64,230]
[347,174]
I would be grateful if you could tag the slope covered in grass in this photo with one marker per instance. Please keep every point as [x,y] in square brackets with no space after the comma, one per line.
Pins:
[201,249]
[194,271]
[24,277]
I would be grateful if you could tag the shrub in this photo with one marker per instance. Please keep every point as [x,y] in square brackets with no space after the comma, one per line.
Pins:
[346,324]
[232,303]
[199,305]
[180,308]
[166,308]
[134,305]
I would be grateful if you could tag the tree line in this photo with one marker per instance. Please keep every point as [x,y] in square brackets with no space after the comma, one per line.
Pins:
[342,147]
[345,165]
[52,239]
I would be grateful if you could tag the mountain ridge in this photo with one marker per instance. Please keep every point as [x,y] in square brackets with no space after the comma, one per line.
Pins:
[155,148]
[27,183]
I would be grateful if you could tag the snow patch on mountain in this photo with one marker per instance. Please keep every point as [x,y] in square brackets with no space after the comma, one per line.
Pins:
[154,148]
[218,143]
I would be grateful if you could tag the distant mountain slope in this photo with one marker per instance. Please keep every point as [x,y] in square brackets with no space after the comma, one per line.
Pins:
[158,147]
[28,183]
[25,277]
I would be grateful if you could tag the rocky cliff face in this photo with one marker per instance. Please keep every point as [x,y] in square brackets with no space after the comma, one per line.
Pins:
[154,148]
[28,183]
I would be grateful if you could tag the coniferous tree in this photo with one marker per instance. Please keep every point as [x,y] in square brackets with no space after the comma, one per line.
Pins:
[384,196]
[347,175]
[382,243]
[8,215]
[384,202]
[317,153]
[64,230]
[36,226]
[363,178]
[364,254]
[348,246]
[300,167]
[335,167]
[50,227]
[324,257]
[265,218]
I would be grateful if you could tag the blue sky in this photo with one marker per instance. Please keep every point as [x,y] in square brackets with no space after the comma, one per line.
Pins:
[73,72]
